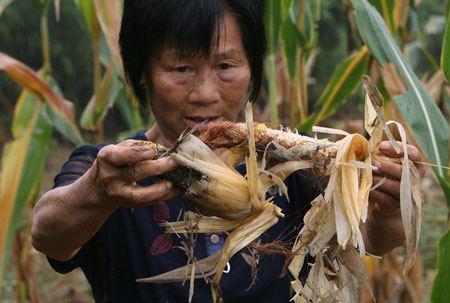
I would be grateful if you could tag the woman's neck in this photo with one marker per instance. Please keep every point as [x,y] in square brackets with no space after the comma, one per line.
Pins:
[155,135]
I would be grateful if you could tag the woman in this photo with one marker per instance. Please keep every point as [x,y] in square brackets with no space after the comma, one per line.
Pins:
[192,61]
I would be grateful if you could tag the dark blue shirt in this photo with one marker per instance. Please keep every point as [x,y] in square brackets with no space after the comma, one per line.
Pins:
[131,245]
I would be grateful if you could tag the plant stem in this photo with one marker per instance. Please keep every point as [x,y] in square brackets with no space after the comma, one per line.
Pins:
[303,87]
[45,44]
[272,90]
[448,165]
[22,295]
[97,79]
[295,102]
[136,113]
[301,16]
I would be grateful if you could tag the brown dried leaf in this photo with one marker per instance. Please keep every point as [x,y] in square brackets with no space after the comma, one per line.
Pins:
[251,228]
[434,86]
[393,82]
[200,224]
[29,80]
[350,258]
[252,169]
[203,268]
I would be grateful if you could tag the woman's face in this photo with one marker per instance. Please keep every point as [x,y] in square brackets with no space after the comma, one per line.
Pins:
[187,91]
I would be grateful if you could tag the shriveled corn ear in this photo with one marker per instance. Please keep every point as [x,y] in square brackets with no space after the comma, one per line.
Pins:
[229,201]
[235,201]
[346,203]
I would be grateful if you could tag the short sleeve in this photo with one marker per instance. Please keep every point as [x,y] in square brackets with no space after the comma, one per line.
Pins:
[79,162]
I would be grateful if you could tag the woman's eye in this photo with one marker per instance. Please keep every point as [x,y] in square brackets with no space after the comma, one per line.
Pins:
[181,69]
[224,66]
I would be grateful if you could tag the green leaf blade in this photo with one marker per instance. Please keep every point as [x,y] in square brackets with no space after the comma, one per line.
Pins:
[61,113]
[426,114]
[440,292]
[272,17]
[22,164]
[445,54]
[88,10]
[344,81]
[110,88]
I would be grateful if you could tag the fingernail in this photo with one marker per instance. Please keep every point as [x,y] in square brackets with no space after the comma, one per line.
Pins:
[173,163]
[169,185]
[148,154]
[385,145]
[376,163]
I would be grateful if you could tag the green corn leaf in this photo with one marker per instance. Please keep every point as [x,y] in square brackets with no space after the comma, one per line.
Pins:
[109,14]
[45,4]
[110,87]
[344,82]
[4,4]
[388,13]
[88,10]
[307,125]
[417,107]
[125,107]
[293,40]
[309,24]
[22,164]
[445,54]
[447,9]
[440,292]
[315,9]
[286,6]
[445,184]
[272,17]
[62,111]
[377,5]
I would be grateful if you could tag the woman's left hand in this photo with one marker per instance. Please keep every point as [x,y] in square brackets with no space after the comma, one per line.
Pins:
[383,230]
[387,195]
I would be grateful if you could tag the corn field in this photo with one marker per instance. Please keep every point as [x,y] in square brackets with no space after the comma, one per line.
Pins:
[384,40]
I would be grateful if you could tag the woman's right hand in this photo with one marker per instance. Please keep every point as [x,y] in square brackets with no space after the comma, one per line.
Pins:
[117,168]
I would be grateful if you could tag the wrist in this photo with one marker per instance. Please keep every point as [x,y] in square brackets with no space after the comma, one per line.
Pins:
[92,192]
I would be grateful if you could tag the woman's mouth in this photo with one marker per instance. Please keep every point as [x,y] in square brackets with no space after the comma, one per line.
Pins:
[205,122]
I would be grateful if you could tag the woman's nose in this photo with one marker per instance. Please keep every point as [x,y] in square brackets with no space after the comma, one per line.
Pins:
[205,88]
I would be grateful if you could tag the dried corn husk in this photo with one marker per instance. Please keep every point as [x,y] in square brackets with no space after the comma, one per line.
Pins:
[234,200]
[231,202]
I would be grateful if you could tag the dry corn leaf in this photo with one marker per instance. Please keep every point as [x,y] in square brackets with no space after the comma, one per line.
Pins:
[198,223]
[331,231]
[203,268]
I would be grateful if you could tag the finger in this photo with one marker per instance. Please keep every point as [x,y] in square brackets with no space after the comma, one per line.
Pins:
[149,168]
[384,202]
[387,149]
[388,169]
[144,195]
[170,195]
[118,155]
[390,186]
[421,168]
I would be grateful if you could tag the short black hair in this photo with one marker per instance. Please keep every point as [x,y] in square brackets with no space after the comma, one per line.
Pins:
[192,27]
